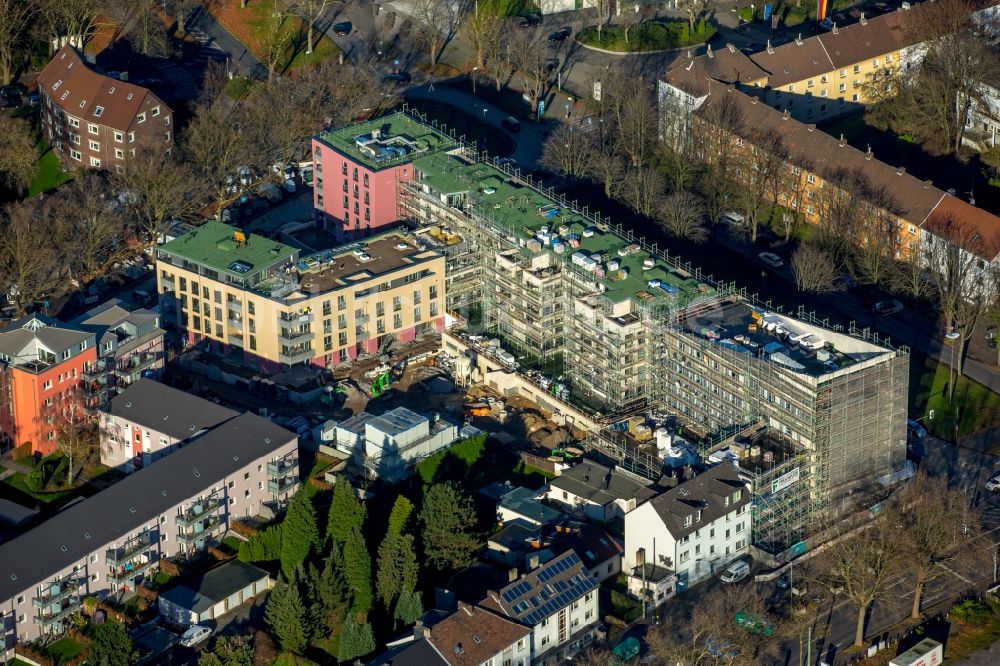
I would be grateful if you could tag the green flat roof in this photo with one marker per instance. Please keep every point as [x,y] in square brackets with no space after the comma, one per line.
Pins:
[525,211]
[406,138]
[213,245]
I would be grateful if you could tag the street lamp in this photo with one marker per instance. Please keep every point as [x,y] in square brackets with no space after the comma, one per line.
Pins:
[474,70]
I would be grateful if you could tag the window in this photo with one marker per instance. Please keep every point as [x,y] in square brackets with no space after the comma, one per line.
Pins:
[246,493]
[20,618]
[854,98]
[93,129]
[20,599]
[809,179]
[166,136]
[73,122]
[141,118]
[843,73]
[857,69]
[737,495]
[232,484]
[823,79]
[397,321]
[74,139]
[874,62]
[119,154]
[156,111]
[47,385]
[888,57]
[843,87]
[739,527]
[809,83]
[94,145]
[131,137]
[688,520]
[685,556]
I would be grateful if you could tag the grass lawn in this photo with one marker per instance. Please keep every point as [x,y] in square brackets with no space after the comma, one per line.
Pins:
[231,545]
[251,24]
[161,579]
[64,649]
[49,175]
[17,481]
[238,87]
[654,35]
[975,408]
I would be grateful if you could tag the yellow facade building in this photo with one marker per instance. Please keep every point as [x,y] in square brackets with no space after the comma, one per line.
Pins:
[245,294]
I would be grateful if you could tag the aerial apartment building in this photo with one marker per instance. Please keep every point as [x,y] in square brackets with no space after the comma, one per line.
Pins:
[630,327]
[97,122]
[242,293]
[42,364]
[354,166]
[107,544]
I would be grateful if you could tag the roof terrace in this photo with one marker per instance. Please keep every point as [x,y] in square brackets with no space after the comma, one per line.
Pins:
[387,141]
[225,249]
[538,223]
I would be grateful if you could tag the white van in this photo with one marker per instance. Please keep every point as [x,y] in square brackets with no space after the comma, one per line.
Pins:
[733,219]
[195,635]
[736,572]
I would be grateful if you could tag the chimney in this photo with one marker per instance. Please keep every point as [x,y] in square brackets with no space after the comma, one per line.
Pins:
[972,201]
[607,480]
[732,49]
[784,116]
[798,39]
[531,562]
[868,155]
[512,575]
[770,49]
[900,170]
[420,631]
[836,30]
[811,128]
[709,52]
[753,100]
[842,142]
[459,649]
[864,21]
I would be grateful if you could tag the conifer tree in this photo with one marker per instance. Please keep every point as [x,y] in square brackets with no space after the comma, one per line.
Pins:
[286,617]
[408,608]
[356,639]
[449,521]
[358,571]
[299,534]
[346,512]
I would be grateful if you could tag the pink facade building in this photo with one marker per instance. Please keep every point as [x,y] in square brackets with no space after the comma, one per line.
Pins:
[357,171]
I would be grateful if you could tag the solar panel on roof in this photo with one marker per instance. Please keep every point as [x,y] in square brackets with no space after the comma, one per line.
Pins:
[508,596]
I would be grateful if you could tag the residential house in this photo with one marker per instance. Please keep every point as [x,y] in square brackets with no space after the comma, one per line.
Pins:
[213,594]
[387,447]
[599,492]
[471,636]
[694,529]
[149,420]
[257,299]
[522,506]
[983,122]
[557,602]
[105,544]
[600,553]
[357,166]
[97,122]
[129,346]
[42,362]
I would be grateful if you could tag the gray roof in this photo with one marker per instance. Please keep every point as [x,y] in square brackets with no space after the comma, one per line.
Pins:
[601,484]
[38,554]
[217,585]
[53,335]
[540,593]
[356,423]
[168,410]
[396,421]
[523,501]
[105,314]
[706,492]
[417,653]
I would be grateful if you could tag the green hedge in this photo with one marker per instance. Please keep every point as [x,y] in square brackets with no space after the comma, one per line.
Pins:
[264,547]
[655,35]
[468,451]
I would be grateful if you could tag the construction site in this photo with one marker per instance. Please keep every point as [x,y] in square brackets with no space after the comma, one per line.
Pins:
[623,328]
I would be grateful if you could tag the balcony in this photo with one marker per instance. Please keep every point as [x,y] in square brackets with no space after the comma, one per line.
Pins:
[46,620]
[281,486]
[282,467]
[235,323]
[55,593]
[199,511]
[131,571]
[291,320]
[137,362]
[289,334]
[96,370]
[128,552]
[234,306]
[206,528]
[291,356]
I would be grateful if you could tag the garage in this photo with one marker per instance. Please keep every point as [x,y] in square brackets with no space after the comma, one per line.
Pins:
[214,594]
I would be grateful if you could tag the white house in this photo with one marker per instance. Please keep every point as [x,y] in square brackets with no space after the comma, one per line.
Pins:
[599,492]
[387,446]
[694,529]
[983,122]
[558,602]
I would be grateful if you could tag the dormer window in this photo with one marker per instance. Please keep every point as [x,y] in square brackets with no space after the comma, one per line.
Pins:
[83,103]
[737,495]
[98,111]
[688,520]
[64,95]
[55,86]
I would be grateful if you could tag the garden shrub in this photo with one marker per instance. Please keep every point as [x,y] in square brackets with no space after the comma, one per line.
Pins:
[971,611]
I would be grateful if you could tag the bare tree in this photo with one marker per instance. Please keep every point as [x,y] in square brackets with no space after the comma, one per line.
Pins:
[603,10]
[877,238]
[18,154]
[838,203]
[682,214]
[29,269]
[714,137]
[757,173]
[695,8]
[311,12]
[495,43]
[910,275]
[180,9]
[15,19]
[159,189]
[644,190]
[813,268]
[958,253]
[569,152]
[71,21]
[75,430]
[147,34]
[275,42]
[791,185]
[633,115]
[939,532]
[862,567]
[484,27]
[91,224]
[436,22]
[530,57]
[609,170]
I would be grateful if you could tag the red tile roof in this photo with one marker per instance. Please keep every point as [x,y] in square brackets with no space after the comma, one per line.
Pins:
[727,65]
[958,221]
[471,635]
[79,91]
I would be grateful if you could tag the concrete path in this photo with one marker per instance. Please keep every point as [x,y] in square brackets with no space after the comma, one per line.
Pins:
[217,38]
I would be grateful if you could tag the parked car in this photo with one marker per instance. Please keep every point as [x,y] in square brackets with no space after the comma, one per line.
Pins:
[343,28]
[195,635]
[915,430]
[560,35]
[784,581]
[993,484]
[530,21]
[400,78]
[511,124]
[736,572]
[509,161]
[888,307]
[733,219]
[290,186]
[771,259]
